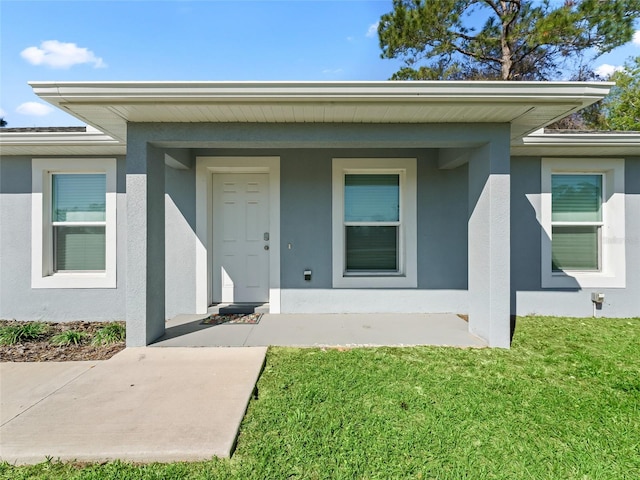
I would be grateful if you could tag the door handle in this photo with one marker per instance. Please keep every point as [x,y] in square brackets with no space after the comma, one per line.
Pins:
[266,247]
[266,236]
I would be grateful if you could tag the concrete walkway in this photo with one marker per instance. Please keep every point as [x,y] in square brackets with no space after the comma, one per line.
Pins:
[178,404]
[307,330]
[144,404]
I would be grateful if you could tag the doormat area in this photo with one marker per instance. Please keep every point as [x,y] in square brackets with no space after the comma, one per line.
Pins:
[233,319]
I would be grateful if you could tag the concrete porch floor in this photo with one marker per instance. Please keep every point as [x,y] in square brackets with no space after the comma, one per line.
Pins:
[315,330]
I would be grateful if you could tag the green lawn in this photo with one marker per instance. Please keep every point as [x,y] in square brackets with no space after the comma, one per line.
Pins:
[563,403]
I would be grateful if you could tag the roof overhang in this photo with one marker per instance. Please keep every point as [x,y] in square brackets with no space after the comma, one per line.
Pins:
[577,143]
[527,106]
[89,142]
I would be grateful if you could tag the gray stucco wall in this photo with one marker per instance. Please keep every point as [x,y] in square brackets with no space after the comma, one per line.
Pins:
[305,222]
[442,280]
[442,226]
[180,242]
[306,225]
[17,299]
[527,295]
[305,196]
[306,218]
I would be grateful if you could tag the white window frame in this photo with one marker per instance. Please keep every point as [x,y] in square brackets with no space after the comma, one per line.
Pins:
[612,271]
[407,274]
[42,274]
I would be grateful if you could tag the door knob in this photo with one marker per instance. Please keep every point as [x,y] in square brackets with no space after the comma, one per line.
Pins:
[266,247]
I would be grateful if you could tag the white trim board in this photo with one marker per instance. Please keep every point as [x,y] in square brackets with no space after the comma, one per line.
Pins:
[613,273]
[408,259]
[365,300]
[205,168]
[41,274]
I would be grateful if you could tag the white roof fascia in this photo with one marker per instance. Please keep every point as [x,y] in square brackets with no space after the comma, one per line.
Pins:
[107,105]
[18,142]
[94,137]
[586,139]
[456,91]
[578,145]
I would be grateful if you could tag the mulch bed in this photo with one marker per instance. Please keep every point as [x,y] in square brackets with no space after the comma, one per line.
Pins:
[41,350]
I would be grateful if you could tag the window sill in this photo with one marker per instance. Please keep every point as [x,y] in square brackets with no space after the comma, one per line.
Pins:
[75,280]
[373,274]
[580,280]
[375,281]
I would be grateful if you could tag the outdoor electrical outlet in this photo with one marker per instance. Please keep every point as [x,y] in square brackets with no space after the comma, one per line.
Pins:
[307,275]
[597,297]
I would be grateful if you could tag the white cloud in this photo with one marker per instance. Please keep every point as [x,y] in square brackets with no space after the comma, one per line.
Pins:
[328,71]
[373,30]
[605,70]
[55,54]
[34,109]
[636,38]
[2,112]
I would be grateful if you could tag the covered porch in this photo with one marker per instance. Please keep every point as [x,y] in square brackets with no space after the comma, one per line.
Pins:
[323,330]
[176,131]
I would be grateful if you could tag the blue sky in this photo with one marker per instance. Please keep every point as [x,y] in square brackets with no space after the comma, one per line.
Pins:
[87,40]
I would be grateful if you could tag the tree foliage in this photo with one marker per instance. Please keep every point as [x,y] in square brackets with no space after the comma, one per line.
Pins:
[3,122]
[589,117]
[621,109]
[501,39]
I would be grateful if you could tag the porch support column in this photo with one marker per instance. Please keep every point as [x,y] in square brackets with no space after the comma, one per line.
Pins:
[145,241]
[489,242]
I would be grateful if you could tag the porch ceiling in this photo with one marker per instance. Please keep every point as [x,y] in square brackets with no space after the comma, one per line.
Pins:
[527,106]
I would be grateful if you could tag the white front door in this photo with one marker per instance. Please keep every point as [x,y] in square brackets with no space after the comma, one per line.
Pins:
[241,237]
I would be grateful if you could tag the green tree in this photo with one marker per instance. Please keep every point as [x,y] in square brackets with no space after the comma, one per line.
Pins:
[621,108]
[589,117]
[513,39]
[3,122]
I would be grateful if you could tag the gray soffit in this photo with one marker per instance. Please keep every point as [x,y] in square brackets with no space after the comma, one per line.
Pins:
[527,106]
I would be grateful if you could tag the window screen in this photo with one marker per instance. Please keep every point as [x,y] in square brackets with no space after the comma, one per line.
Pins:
[78,222]
[372,222]
[576,220]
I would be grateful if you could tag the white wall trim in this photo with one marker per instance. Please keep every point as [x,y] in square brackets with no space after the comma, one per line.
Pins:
[366,300]
[205,168]
[407,167]
[41,250]
[613,274]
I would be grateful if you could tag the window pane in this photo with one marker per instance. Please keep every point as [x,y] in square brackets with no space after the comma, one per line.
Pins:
[372,249]
[79,198]
[576,198]
[574,248]
[372,198]
[79,248]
